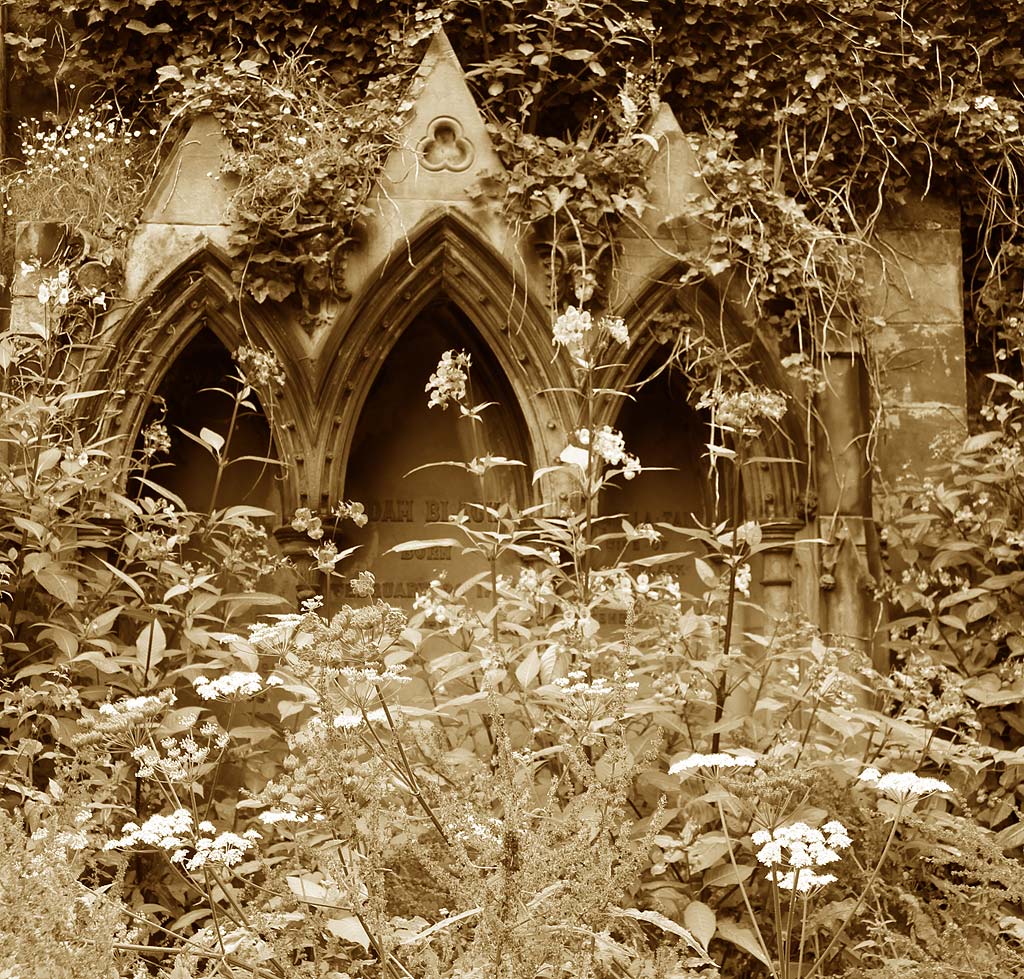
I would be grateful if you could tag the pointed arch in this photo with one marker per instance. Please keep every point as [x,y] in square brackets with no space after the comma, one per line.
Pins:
[774,490]
[141,347]
[445,258]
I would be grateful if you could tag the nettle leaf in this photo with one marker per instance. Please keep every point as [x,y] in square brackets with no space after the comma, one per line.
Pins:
[742,937]
[701,920]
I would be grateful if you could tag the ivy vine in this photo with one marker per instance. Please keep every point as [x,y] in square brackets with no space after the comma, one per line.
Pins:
[824,117]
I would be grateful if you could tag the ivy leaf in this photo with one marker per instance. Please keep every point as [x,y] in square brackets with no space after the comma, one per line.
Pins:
[815,76]
[142,28]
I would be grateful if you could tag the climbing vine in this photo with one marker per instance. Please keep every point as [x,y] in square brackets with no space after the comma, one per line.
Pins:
[303,163]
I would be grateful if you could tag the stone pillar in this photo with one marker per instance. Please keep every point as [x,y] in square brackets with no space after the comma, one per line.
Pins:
[36,244]
[913,279]
[847,560]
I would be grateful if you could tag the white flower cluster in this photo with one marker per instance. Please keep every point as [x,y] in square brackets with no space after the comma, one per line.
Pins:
[130,706]
[607,444]
[227,849]
[577,684]
[448,382]
[307,522]
[272,816]
[182,759]
[58,289]
[175,833]
[902,786]
[231,686]
[260,368]
[275,637]
[807,848]
[48,149]
[436,608]
[371,675]
[575,327]
[739,410]
[349,720]
[571,328]
[718,760]
[165,832]
[663,586]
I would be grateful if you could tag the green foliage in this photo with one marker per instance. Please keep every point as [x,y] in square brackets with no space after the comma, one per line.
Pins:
[303,163]
[91,172]
[871,106]
[511,779]
[506,781]
[53,926]
[955,549]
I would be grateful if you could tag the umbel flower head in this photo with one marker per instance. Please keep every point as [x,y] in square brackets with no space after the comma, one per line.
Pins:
[903,786]
[717,760]
[792,852]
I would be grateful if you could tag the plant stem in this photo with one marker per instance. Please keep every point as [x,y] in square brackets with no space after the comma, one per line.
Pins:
[413,782]
[743,890]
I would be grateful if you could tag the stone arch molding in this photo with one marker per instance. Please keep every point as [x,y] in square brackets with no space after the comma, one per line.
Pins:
[199,292]
[444,257]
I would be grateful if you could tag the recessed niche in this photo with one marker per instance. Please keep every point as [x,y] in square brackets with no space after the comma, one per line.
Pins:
[669,437]
[398,433]
[188,470]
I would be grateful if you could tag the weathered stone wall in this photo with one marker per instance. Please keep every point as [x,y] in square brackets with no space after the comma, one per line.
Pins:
[913,274]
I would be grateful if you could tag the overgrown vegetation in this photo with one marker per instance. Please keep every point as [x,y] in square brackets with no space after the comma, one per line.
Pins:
[564,766]
[498,782]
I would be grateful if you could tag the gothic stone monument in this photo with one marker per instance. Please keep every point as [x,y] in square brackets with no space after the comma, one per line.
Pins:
[436,269]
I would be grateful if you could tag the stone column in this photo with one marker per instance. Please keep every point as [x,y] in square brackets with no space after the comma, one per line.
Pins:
[914,341]
[846,576]
[36,244]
